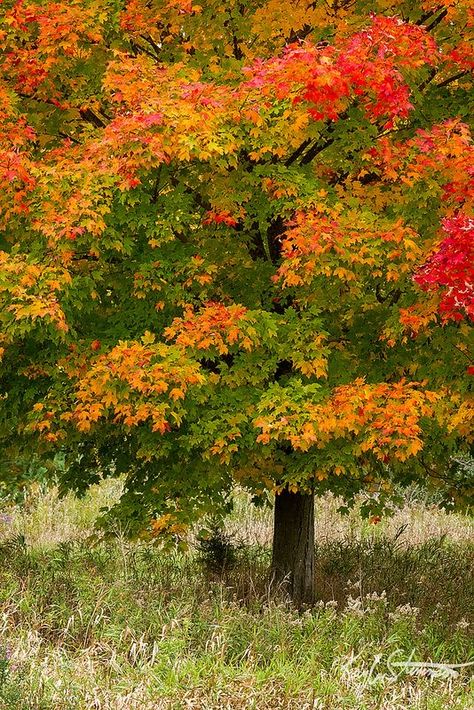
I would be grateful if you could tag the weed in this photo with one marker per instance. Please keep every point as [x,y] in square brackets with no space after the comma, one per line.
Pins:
[125,626]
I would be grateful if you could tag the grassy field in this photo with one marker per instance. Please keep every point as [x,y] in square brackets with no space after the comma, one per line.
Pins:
[127,626]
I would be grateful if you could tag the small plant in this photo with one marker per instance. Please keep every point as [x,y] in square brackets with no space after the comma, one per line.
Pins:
[218,549]
[4,665]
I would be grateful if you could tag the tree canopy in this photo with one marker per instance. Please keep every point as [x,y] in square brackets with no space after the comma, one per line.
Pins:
[237,245]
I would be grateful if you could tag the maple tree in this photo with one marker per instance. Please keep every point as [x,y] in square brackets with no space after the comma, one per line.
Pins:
[237,245]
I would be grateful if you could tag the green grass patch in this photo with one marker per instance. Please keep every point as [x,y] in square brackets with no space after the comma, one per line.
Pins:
[119,625]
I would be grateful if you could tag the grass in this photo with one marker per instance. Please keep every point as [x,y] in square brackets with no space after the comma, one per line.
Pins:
[127,626]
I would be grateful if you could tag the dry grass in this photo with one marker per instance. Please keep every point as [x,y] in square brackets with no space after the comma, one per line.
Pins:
[125,626]
[413,524]
[45,520]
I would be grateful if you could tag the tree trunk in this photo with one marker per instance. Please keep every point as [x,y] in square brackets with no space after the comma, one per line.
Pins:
[293,546]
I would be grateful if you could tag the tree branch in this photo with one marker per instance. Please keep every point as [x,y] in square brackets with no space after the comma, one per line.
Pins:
[300,35]
[275,230]
[88,115]
[316,150]
[436,21]
[296,154]
[69,138]
[450,79]
[139,49]
[431,75]
[156,192]
[151,41]
[256,246]
[427,15]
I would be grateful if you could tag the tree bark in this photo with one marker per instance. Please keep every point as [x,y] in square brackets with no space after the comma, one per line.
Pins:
[293,546]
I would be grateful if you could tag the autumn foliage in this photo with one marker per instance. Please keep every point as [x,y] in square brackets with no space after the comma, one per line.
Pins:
[237,244]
